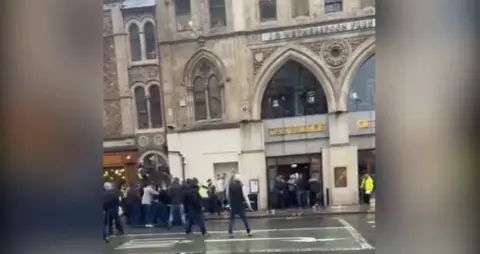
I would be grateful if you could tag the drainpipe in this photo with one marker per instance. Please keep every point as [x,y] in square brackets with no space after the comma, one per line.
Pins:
[183,162]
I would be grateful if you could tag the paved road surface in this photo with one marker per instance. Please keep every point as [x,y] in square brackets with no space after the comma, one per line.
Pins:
[342,234]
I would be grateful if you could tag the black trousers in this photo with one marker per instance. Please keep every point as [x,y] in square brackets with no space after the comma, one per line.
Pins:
[366,198]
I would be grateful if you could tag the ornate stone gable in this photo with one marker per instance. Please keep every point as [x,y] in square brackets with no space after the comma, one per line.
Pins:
[260,55]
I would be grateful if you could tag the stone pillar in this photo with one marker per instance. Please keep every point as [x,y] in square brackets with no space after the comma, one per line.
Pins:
[340,154]
[252,163]
[122,61]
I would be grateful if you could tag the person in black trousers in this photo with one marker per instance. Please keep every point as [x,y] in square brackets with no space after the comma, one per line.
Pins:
[111,204]
[193,208]
[237,198]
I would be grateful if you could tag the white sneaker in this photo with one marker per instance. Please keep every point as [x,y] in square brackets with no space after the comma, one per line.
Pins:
[149,226]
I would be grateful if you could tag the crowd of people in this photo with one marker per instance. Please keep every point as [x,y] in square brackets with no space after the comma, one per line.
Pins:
[298,191]
[179,203]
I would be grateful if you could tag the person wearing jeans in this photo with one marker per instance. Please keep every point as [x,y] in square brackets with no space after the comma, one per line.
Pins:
[237,196]
[175,192]
[148,194]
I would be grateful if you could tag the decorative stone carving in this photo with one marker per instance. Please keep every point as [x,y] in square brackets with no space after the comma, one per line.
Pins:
[143,74]
[259,56]
[314,46]
[356,42]
[142,141]
[336,53]
[158,140]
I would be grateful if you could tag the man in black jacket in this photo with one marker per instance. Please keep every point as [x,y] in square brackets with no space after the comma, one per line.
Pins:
[193,206]
[111,204]
[175,192]
[237,198]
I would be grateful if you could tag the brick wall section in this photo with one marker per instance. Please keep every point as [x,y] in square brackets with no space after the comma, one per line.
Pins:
[112,121]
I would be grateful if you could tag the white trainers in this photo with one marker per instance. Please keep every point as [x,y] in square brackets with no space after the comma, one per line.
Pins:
[149,226]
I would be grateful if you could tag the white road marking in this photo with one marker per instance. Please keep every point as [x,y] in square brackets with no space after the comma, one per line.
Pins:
[371,222]
[290,239]
[286,250]
[236,231]
[152,243]
[358,237]
[314,240]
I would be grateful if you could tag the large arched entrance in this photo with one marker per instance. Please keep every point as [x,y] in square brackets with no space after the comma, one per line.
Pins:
[292,103]
[157,167]
[362,89]
[293,91]
[361,101]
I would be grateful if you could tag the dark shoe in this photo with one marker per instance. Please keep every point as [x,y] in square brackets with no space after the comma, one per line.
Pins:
[230,236]
[249,234]
[206,235]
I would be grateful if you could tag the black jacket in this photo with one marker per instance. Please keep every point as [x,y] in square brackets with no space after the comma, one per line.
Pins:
[111,199]
[193,200]
[175,192]
[235,195]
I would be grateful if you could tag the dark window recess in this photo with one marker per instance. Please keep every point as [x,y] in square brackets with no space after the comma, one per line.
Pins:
[199,99]
[142,108]
[218,17]
[183,14]
[135,44]
[332,6]
[268,10]
[150,40]
[293,91]
[155,106]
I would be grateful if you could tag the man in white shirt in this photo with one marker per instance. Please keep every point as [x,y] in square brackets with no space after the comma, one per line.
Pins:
[148,193]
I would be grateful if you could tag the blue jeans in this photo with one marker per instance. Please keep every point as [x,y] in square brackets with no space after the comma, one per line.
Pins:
[134,214]
[147,214]
[195,218]
[159,213]
[301,199]
[240,211]
[174,210]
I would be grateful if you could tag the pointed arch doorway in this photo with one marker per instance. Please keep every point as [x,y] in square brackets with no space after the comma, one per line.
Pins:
[292,102]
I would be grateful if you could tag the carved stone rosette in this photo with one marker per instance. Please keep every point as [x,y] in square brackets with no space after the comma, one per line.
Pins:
[259,57]
[336,54]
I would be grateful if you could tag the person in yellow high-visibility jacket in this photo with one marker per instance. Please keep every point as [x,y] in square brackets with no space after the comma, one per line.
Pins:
[367,186]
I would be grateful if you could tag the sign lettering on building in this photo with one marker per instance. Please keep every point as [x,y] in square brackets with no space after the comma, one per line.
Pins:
[319,30]
[297,129]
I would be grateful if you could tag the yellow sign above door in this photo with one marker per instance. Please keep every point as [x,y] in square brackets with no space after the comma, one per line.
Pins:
[297,129]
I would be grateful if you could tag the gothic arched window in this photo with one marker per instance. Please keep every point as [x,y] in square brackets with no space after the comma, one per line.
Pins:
[207,92]
[135,43]
[362,89]
[293,91]
[155,106]
[150,40]
[142,107]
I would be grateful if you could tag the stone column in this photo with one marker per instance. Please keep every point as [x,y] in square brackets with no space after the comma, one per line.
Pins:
[126,100]
[340,155]
[252,159]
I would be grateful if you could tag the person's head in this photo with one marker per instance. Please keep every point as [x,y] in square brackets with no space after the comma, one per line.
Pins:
[176,180]
[107,186]
[195,181]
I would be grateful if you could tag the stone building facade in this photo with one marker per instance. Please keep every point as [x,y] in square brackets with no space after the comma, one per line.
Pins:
[264,87]
[133,107]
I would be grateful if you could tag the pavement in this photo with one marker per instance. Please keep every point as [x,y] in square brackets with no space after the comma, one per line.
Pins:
[341,234]
[331,210]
